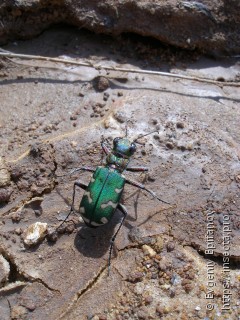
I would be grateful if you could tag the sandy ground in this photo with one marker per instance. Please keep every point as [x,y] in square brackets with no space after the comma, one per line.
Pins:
[53,118]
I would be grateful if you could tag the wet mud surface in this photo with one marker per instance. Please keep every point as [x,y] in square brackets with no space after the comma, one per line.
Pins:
[53,118]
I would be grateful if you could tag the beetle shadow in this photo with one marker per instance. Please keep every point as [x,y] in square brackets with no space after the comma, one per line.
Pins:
[95,242]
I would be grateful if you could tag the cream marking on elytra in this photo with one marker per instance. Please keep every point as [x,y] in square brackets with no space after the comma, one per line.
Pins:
[93,223]
[82,210]
[104,220]
[118,190]
[109,203]
[86,219]
[88,195]
[92,180]
[96,224]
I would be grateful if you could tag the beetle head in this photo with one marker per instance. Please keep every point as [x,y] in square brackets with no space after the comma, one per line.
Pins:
[123,148]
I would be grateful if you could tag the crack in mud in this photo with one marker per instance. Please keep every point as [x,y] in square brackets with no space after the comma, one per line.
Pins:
[87,288]
[39,280]
[22,205]
[14,274]
[30,199]
[13,287]
[216,257]
[20,277]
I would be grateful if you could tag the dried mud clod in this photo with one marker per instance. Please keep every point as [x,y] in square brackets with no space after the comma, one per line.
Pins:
[4,174]
[101,83]
[35,173]
[4,270]
[5,189]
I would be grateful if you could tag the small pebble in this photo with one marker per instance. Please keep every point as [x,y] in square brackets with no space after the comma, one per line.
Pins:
[4,270]
[147,250]
[143,313]
[189,146]
[172,292]
[135,277]
[18,312]
[73,143]
[170,246]
[35,233]
[154,121]
[16,173]
[150,177]
[4,174]
[30,305]
[102,83]
[5,195]
[180,125]
[148,299]
[70,228]
[120,116]
[18,231]
[187,285]
[158,245]
[38,212]
[160,310]
[162,266]
[169,145]
[52,235]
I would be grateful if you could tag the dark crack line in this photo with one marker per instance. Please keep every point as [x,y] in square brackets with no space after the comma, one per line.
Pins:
[16,275]
[87,288]
[9,305]
[39,280]
[216,257]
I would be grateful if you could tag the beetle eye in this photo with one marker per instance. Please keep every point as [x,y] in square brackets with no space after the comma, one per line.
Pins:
[133,147]
[115,140]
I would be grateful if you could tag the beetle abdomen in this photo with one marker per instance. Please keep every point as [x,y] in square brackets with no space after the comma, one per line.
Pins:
[101,196]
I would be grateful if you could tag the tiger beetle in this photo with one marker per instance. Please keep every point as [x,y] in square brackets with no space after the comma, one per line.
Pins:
[103,194]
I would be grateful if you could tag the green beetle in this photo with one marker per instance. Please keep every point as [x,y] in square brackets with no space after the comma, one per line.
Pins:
[103,194]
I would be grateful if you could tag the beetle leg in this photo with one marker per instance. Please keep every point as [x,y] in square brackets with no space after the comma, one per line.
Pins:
[105,148]
[90,169]
[141,186]
[76,184]
[124,212]
[137,169]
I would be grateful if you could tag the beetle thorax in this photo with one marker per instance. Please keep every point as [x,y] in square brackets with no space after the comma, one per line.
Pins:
[117,163]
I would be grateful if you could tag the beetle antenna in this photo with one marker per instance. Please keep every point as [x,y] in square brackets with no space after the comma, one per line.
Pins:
[126,131]
[144,135]
[126,128]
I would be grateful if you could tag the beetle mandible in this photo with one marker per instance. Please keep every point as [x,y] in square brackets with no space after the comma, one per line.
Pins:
[103,194]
